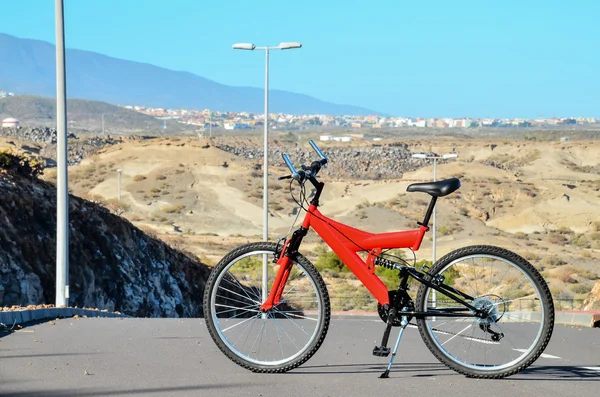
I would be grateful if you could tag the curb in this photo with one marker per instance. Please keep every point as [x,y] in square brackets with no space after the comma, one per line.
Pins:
[582,319]
[19,317]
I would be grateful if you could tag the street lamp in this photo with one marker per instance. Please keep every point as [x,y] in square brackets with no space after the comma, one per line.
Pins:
[119,171]
[435,159]
[62,171]
[251,47]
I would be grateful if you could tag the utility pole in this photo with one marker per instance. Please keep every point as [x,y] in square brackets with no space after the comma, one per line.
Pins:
[119,171]
[62,187]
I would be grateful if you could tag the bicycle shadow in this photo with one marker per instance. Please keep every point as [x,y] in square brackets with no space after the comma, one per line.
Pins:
[559,373]
[417,369]
[422,370]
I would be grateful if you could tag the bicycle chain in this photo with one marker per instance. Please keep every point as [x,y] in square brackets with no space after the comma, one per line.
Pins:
[453,333]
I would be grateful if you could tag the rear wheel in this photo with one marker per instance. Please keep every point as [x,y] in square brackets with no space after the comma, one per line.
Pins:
[276,341]
[518,303]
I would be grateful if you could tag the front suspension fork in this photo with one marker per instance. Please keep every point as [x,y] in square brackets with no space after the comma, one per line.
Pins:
[285,262]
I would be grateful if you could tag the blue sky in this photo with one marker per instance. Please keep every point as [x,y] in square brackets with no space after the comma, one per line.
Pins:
[428,58]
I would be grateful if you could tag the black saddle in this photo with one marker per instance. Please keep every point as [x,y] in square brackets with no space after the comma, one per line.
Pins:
[436,189]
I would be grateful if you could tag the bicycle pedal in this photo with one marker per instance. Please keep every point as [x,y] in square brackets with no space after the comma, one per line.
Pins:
[381,351]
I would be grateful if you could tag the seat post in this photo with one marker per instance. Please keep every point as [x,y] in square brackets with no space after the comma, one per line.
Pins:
[429,211]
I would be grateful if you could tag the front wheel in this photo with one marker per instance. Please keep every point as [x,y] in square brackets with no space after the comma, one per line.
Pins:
[284,337]
[518,320]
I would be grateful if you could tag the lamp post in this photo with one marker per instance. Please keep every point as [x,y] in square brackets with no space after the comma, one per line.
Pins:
[435,159]
[252,47]
[62,188]
[119,171]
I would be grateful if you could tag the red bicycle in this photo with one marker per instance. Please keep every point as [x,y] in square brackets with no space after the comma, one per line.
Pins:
[267,307]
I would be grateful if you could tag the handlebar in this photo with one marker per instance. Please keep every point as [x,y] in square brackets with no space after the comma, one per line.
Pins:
[314,168]
[319,152]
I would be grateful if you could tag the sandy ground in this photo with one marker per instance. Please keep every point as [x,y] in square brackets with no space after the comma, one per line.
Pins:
[213,200]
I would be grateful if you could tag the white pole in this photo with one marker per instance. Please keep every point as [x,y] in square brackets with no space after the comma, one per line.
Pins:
[265,291]
[433,256]
[62,188]
[119,184]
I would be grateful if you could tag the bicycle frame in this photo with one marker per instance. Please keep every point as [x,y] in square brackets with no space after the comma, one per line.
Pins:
[347,250]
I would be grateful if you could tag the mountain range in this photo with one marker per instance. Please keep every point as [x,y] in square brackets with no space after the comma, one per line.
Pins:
[28,67]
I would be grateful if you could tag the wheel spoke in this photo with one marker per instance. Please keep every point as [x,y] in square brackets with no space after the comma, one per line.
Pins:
[286,332]
[508,338]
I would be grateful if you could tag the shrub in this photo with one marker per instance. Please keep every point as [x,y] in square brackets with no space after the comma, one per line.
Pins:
[579,288]
[329,260]
[587,274]
[277,206]
[530,256]
[171,209]
[553,261]
[557,239]
[95,198]
[444,231]
[149,231]
[521,236]
[564,230]
[117,207]
[138,178]
[160,177]
[20,163]
[580,241]
[567,278]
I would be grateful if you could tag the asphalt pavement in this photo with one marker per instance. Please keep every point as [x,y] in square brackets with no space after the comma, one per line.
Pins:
[177,357]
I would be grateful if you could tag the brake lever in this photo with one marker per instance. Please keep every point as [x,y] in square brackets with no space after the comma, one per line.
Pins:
[284,177]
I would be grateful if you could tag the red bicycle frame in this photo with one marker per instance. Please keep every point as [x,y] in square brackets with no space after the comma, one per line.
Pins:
[346,241]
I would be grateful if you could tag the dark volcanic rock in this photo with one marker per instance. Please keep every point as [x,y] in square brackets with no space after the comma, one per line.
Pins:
[113,265]
[78,148]
[347,162]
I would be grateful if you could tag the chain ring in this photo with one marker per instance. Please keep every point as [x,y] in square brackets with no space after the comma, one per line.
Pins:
[383,314]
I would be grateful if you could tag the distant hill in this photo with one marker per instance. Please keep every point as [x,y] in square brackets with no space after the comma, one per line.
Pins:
[28,67]
[82,114]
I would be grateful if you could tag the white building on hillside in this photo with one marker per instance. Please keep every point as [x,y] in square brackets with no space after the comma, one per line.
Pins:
[10,122]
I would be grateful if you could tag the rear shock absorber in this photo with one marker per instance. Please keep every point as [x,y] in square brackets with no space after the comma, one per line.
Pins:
[388,264]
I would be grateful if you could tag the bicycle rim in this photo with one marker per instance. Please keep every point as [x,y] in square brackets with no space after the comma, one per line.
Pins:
[278,337]
[512,335]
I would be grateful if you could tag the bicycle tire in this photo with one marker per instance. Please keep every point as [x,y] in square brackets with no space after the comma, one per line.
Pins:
[546,307]
[233,353]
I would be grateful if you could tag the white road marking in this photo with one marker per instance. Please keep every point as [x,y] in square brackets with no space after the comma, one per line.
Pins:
[591,368]
[544,355]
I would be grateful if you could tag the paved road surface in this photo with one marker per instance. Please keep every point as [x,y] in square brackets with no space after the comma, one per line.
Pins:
[171,357]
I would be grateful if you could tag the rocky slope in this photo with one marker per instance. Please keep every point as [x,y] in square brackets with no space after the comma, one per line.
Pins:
[593,300]
[366,162]
[79,146]
[113,265]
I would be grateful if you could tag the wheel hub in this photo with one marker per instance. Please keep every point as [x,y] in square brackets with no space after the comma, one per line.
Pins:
[489,305]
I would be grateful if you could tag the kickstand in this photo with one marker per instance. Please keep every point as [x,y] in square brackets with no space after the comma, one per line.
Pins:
[403,325]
